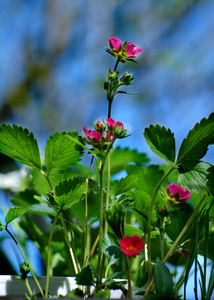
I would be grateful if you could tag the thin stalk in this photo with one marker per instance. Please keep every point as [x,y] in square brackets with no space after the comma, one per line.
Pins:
[180,236]
[49,254]
[150,217]
[72,255]
[99,269]
[28,286]
[34,276]
[117,62]
[87,246]
[161,245]
[128,267]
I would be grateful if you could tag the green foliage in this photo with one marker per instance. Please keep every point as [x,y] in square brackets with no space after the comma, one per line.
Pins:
[161,142]
[122,157]
[20,144]
[200,179]
[124,185]
[163,280]
[178,219]
[70,192]
[85,277]
[111,251]
[62,152]
[195,145]
[15,212]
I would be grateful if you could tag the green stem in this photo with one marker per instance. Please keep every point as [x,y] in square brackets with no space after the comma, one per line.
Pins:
[28,286]
[180,236]
[117,62]
[161,245]
[34,276]
[73,256]
[49,253]
[87,246]
[128,267]
[150,217]
[99,269]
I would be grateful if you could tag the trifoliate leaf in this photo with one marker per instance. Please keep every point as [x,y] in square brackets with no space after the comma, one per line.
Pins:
[15,212]
[195,145]
[20,144]
[161,142]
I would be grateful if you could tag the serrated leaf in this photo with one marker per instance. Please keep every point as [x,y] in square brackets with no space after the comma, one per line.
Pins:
[148,178]
[112,251]
[70,192]
[85,277]
[15,212]
[24,198]
[41,184]
[200,179]
[161,142]
[61,152]
[20,144]
[124,185]
[163,279]
[121,157]
[195,145]
[142,203]
[178,219]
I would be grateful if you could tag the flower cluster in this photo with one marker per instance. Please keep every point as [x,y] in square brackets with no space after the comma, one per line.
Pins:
[177,194]
[100,137]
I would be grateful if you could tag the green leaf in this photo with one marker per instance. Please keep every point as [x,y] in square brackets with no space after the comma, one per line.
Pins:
[122,157]
[85,277]
[70,192]
[15,212]
[163,279]
[24,198]
[178,219]
[148,178]
[209,245]
[61,152]
[161,142]
[124,185]
[20,144]
[200,179]
[112,251]
[195,145]
[132,230]
[141,206]
[41,184]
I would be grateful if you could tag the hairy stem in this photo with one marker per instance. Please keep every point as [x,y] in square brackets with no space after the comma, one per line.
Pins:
[150,217]
[34,276]
[180,236]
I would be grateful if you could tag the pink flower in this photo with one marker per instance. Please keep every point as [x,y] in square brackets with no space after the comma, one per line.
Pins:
[116,128]
[132,50]
[93,135]
[115,42]
[177,194]
[131,246]
[185,253]
[105,134]
[126,50]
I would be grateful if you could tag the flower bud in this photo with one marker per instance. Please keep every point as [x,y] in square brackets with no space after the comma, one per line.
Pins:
[127,79]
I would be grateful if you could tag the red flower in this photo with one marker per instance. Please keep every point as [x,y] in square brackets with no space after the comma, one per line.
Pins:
[131,246]
[126,50]
[177,194]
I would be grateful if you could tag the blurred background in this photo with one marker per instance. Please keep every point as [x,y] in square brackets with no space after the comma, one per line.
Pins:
[53,65]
